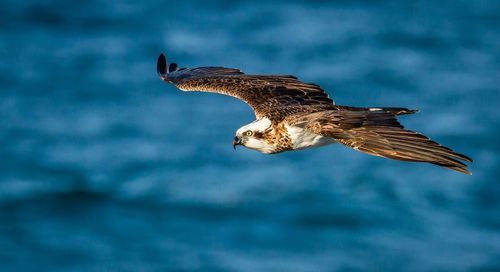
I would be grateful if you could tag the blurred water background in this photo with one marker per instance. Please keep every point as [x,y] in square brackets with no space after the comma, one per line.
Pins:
[106,168]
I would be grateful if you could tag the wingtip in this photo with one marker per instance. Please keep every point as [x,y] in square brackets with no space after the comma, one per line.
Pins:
[461,169]
[466,171]
[161,65]
[467,158]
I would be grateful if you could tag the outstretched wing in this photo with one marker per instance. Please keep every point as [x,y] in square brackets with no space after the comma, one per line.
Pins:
[378,133]
[271,96]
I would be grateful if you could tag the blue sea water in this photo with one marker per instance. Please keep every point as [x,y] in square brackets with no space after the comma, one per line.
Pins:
[106,168]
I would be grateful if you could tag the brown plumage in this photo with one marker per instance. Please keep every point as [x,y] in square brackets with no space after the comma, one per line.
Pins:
[293,115]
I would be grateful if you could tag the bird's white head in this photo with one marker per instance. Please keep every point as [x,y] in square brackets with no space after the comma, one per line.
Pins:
[252,136]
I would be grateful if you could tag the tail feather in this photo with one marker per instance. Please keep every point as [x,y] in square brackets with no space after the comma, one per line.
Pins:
[393,110]
[399,111]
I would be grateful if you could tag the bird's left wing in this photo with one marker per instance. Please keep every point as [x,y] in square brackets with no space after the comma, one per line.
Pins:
[378,133]
[271,96]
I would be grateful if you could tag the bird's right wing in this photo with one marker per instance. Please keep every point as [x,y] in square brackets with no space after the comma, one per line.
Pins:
[271,96]
[378,133]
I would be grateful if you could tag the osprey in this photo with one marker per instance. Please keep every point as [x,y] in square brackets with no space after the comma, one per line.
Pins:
[293,115]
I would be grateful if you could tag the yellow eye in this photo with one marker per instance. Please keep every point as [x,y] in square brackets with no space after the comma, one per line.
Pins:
[248,133]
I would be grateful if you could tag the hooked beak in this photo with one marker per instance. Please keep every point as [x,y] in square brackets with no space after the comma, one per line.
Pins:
[236,141]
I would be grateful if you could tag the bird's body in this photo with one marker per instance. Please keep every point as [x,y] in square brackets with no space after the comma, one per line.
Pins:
[302,138]
[282,137]
[293,115]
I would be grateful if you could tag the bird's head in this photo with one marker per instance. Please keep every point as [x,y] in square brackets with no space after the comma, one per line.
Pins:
[252,136]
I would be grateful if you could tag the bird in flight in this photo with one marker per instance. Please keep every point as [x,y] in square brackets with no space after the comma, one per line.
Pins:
[293,115]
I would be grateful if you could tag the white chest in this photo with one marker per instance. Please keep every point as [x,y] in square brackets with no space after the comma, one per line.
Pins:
[302,138]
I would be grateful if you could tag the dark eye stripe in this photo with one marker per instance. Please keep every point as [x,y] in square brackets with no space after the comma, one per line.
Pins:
[257,134]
